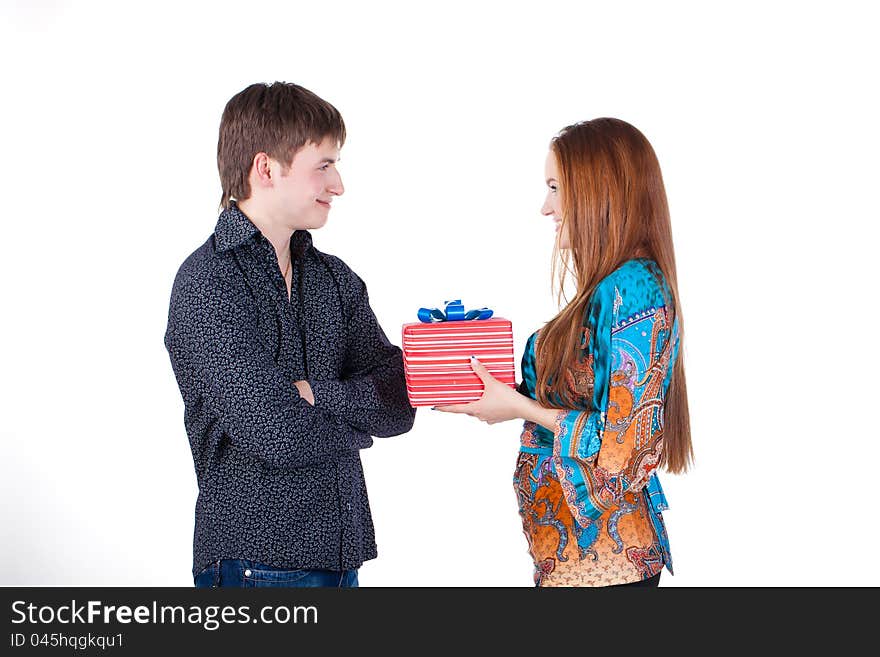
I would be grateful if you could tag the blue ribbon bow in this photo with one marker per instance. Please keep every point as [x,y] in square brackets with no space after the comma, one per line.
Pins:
[454,312]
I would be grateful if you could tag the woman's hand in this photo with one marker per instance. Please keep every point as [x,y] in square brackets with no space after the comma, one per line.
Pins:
[499,402]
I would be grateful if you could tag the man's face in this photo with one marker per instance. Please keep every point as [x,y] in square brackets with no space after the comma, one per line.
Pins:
[303,193]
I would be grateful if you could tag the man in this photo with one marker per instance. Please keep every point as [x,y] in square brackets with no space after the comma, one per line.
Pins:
[284,370]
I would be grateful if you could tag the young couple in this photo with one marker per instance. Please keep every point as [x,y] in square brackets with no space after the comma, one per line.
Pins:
[286,374]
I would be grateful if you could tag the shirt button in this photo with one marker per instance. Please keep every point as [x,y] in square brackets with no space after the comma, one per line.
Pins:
[349,506]
[247,573]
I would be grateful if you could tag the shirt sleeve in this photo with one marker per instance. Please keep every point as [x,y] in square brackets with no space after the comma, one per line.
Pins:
[219,361]
[613,446]
[371,393]
[527,386]
[533,434]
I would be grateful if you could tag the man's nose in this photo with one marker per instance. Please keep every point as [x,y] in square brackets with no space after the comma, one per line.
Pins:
[336,187]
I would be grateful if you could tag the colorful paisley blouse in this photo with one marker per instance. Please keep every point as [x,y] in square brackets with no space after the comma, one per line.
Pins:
[588,495]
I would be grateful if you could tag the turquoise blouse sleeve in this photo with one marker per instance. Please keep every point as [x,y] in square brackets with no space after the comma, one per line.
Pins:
[613,444]
[534,436]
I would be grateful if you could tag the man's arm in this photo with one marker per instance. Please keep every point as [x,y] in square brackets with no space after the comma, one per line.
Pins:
[217,356]
[371,394]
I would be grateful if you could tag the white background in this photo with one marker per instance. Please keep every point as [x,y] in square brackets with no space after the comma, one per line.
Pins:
[763,117]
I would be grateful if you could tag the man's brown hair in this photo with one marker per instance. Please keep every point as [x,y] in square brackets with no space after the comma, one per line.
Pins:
[277,119]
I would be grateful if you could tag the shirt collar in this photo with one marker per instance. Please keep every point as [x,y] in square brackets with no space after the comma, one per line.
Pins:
[234,229]
[300,242]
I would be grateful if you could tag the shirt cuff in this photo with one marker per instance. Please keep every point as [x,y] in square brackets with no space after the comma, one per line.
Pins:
[328,394]
[577,434]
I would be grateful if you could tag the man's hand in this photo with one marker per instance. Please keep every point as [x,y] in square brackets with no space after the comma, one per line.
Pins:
[305,391]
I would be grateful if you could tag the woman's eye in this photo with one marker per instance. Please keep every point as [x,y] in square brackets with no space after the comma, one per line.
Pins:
[553,188]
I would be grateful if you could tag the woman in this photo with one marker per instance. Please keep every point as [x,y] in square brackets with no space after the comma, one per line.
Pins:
[603,394]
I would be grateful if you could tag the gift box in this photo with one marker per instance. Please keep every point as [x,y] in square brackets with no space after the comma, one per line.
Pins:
[437,352]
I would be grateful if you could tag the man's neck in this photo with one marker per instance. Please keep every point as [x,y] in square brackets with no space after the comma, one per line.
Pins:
[277,233]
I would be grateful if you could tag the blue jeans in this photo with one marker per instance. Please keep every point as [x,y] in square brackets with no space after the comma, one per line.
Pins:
[248,574]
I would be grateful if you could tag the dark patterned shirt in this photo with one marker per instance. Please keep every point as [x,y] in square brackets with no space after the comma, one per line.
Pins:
[280,481]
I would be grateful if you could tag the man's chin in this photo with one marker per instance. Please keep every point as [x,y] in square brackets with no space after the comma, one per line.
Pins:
[314,224]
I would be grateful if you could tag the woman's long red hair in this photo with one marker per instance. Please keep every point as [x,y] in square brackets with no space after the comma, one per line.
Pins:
[614,209]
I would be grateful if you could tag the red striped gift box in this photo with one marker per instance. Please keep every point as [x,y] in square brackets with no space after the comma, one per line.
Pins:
[436,359]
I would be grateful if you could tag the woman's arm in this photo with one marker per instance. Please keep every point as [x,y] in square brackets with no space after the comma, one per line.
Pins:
[546,417]
[501,403]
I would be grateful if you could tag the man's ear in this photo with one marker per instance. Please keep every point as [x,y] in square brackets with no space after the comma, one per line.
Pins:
[261,170]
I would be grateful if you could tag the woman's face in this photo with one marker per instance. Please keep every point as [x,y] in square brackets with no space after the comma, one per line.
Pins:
[553,203]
